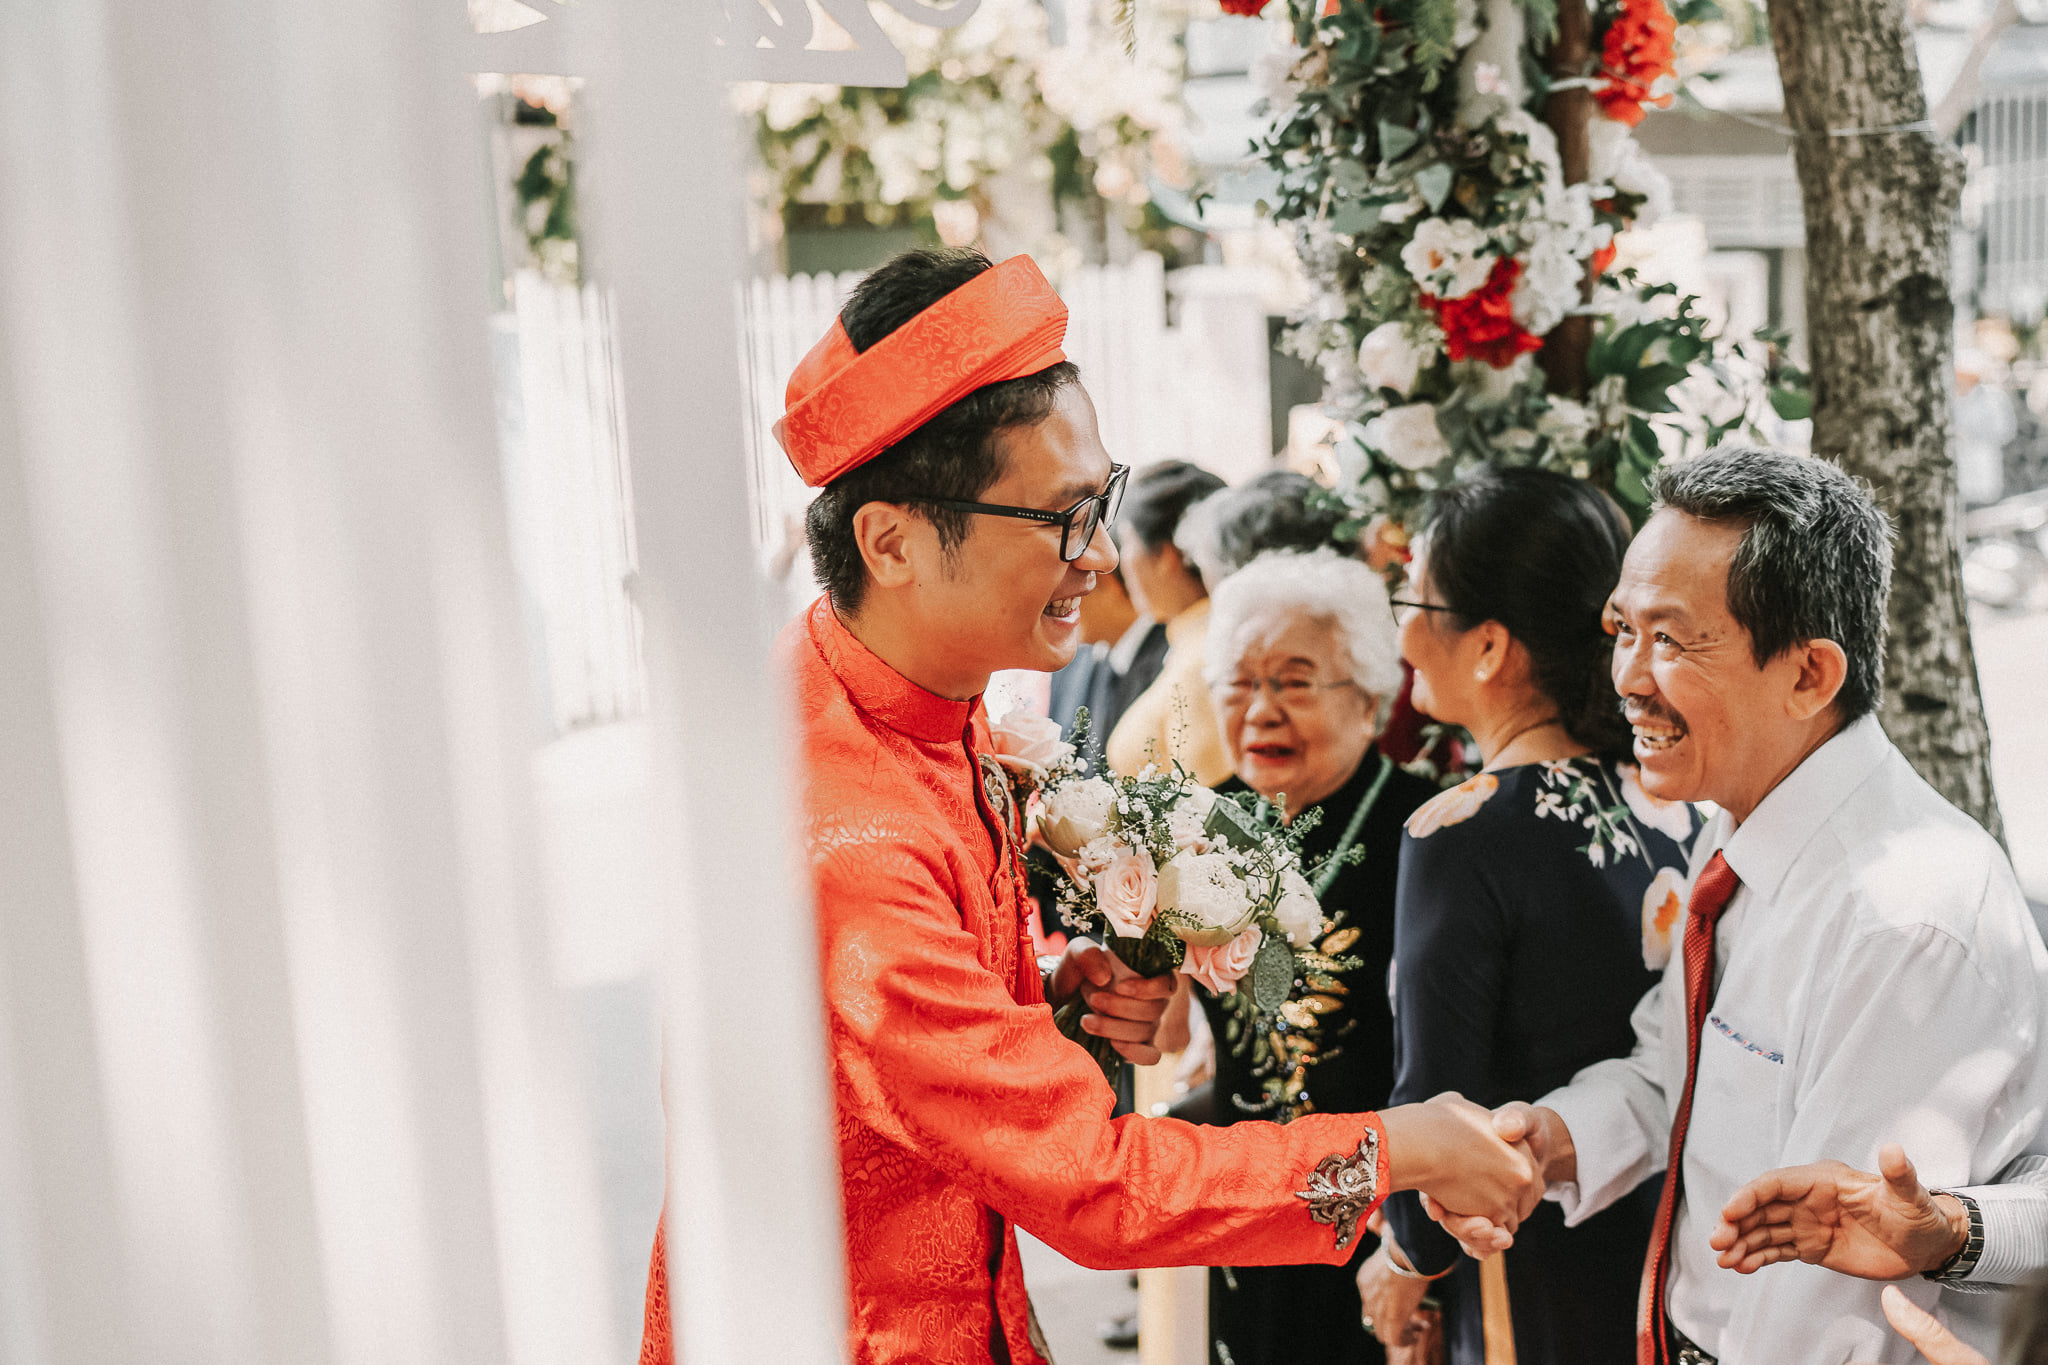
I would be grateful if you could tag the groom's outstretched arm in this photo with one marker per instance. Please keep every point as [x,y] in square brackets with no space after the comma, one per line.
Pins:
[931,1052]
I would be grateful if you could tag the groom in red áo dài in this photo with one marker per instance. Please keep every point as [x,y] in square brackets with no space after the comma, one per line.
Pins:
[962,517]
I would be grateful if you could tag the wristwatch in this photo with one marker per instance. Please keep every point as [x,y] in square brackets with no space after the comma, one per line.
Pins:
[1957,1268]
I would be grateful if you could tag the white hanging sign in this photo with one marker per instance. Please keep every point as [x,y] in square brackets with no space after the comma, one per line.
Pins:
[766,40]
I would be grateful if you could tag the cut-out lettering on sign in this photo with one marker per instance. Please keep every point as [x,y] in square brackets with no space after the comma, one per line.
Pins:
[773,39]
[783,41]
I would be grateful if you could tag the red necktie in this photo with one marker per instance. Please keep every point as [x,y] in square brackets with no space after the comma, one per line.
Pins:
[1709,898]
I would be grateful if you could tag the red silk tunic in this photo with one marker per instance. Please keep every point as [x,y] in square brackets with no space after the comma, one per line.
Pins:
[961,1108]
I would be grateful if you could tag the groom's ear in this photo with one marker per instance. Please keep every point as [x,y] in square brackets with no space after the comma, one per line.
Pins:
[887,535]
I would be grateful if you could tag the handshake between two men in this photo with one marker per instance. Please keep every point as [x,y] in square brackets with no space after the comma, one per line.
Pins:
[1884,1226]
[1446,1146]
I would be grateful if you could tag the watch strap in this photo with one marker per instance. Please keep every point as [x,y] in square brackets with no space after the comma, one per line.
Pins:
[1958,1267]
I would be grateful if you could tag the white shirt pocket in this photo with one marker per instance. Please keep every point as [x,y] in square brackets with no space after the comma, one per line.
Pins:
[1734,1134]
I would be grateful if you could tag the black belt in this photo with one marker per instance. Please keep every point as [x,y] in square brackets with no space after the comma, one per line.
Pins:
[1682,1349]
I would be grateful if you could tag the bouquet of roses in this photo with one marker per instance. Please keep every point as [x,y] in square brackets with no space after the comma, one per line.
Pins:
[1172,876]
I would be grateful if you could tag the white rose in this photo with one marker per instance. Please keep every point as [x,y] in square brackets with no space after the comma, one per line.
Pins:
[1444,257]
[1029,743]
[1566,424]
[1548,287]
[1208,901]
[1409,436]
[1076,813]
[1300,916]
[1389,359]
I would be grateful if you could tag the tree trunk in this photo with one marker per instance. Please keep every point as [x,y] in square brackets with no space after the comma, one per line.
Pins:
[1879,207]
[1569,113]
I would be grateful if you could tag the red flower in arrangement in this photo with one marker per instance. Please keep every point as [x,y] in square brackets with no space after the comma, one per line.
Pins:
[1603,260]
[1251,9]
[1634,56]
[1481,326]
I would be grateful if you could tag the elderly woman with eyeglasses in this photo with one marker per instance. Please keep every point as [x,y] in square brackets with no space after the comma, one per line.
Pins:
[1299,659]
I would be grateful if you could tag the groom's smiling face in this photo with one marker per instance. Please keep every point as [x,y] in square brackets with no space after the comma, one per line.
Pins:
[1005,597]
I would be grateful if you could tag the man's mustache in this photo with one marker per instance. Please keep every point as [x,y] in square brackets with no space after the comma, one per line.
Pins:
[1647,713]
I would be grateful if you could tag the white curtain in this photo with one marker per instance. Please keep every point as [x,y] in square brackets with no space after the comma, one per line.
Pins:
[284,1069]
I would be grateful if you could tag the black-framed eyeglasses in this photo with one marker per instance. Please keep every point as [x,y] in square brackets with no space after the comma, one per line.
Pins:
[1077,524]
[1399,602]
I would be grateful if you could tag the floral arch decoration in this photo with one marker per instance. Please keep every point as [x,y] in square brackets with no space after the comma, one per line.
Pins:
[1457,172]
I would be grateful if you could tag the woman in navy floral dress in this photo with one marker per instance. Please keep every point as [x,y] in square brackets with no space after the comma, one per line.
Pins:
[1535,904]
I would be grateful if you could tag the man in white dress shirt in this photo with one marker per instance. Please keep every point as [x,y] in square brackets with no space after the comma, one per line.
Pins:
[1872,976]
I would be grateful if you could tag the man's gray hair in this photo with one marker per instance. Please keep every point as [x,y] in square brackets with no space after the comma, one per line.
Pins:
[1815,560]
[1322,585]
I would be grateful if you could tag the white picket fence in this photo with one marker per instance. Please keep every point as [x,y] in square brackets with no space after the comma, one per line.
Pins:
[569,495]
[1196,390]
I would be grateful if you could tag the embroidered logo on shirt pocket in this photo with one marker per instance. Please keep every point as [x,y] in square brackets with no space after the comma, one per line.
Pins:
[1728,1031]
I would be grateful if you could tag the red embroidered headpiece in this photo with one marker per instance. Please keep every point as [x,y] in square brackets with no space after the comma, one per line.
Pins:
[844,407]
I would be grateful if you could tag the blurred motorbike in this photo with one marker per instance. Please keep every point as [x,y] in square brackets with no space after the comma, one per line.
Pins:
[2005,550]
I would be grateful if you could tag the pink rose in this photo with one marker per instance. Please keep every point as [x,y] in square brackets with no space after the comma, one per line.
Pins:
[1127,892]
[1028,743]
[1222,967]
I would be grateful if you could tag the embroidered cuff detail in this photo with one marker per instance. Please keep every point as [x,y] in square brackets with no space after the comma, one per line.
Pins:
[1343,1189]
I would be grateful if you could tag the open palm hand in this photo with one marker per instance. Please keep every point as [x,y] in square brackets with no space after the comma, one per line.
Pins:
[1877,1227]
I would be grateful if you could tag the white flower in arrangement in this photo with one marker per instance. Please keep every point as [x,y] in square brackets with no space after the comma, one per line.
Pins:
[1300,916]
[1541,141]
[1210,903]
[1095,855]
[1390,358]
[1609,400]
[1409,436]
[1184,823]
[1548,286]
[1444,257]
[1076,814]
[1029,744]
[1619,161]
[1566,424]
[1568,212]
